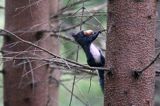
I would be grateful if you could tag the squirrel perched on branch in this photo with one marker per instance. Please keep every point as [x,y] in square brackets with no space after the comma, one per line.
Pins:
[94,55]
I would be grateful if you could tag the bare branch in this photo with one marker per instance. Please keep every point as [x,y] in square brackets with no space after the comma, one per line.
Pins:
[1,7]
[67,7]
[137,73]
[52,54]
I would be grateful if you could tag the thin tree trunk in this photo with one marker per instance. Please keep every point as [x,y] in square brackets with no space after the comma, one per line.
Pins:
[130,47]
[54,74]
[20,88]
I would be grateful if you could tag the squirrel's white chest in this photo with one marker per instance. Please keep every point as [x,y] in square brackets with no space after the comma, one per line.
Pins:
[95,53]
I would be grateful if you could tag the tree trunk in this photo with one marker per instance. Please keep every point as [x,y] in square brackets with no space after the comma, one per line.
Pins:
[130,48]
[157,65]
[26,82]
[54,74]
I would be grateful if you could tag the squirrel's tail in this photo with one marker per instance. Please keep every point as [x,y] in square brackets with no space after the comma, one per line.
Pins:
[101,79]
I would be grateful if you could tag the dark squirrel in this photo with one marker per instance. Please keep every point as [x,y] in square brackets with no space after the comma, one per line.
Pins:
[94,55]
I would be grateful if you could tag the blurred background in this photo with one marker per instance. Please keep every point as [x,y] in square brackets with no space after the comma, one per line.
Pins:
[86,88]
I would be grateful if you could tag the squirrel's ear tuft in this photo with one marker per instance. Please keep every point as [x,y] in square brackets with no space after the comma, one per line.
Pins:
[88,32]
[73,34]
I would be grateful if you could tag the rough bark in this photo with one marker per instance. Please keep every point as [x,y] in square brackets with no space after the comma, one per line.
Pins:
[130,47]
[33,88]
[157,65]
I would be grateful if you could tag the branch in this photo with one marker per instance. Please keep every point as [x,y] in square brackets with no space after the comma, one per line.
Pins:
[7,33]
[152,62]
[59,64]
[136,73]
[67,7]
[54,31]
[73,94]
[74,26]
[1,7]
